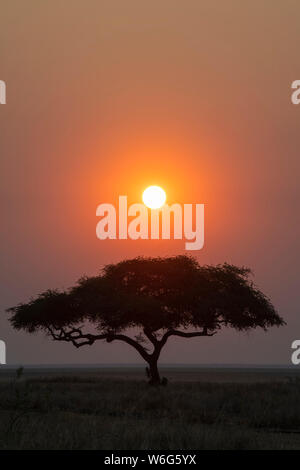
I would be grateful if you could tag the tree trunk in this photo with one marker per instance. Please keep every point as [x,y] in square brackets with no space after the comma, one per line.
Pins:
[153,373]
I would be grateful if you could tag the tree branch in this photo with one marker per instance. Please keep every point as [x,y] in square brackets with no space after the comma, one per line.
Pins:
[184,334]
[131,342]
[74,336]
[151,336]
[78,339]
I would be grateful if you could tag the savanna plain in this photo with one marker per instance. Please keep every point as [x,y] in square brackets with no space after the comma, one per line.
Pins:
[115,409]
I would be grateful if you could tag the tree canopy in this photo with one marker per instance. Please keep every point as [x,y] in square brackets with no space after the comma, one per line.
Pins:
[154,297]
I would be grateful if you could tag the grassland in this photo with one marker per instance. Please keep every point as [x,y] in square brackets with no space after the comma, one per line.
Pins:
[116,409]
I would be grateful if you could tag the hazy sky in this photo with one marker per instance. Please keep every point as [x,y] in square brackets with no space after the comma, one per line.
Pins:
[107,97]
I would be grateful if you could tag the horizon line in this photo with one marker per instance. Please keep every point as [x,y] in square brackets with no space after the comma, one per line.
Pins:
[141,365]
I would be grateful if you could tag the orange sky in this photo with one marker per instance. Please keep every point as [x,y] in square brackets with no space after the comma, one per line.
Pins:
[107,97]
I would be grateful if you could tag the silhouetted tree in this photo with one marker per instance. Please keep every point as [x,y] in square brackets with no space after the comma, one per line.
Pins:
[153,298]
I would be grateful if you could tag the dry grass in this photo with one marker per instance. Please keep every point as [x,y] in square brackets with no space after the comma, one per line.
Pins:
[94,412]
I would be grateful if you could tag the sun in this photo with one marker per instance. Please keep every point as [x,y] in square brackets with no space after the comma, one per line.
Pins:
[154,197]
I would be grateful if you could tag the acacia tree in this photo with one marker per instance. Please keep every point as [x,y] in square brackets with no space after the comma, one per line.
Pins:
[145,301]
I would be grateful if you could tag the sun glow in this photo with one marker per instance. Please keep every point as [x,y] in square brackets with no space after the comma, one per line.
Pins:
[154,197]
